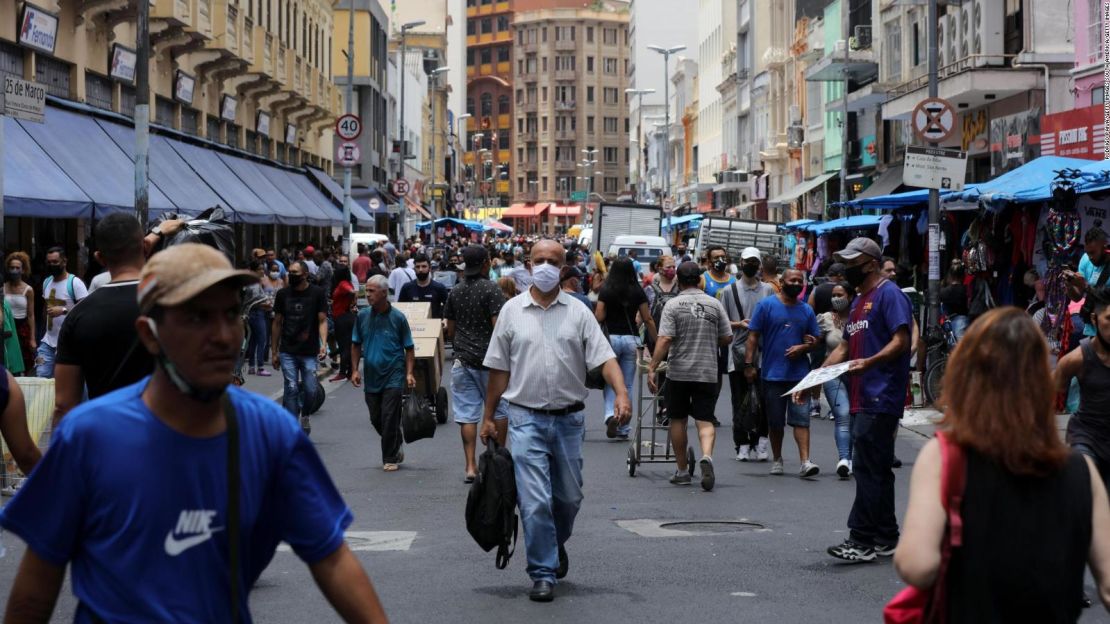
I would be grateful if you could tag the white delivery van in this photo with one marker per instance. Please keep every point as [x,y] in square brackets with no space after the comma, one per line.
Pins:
[370,240]
[647,248]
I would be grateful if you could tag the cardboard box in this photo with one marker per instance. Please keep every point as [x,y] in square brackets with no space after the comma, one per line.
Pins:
[429,359]
[415,310]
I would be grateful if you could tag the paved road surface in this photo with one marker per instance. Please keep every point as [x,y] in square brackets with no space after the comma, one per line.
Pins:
[411,538]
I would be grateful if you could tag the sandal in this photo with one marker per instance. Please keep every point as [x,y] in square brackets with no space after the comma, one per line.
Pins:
[469,478]
[390,467]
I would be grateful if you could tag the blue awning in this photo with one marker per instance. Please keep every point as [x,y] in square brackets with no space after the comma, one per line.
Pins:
[281,207]
[470,225]
[1030,182]
[323,199]
[857,222]
[283,183]
[794,225]
[34,185]
[1093,177]
[245,206]
[90,158]
[690,219]
[167,171]
[330,186]
[334,192]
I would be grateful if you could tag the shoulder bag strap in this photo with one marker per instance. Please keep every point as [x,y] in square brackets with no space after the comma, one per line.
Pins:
[233,478]
[736,299]
[953,478]
[1103,276]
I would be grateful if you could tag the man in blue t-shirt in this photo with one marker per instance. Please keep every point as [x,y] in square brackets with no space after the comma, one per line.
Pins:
[1091,269]
[877,345]
[383,340]
[787,329]
[134,491]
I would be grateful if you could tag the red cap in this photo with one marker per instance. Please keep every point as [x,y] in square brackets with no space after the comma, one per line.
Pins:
[309,250]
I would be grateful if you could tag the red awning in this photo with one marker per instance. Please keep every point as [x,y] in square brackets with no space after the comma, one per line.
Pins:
[524,211]
[566,211]
[416,208]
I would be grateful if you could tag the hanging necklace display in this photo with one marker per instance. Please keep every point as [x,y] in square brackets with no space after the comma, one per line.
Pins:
[1062,249]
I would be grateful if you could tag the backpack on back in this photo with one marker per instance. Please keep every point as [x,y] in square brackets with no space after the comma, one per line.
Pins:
[491,517]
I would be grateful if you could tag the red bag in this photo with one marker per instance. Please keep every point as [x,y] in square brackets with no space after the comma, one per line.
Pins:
[914,605]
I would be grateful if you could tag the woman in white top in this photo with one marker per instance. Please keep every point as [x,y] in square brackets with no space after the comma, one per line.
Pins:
[21,299]
[836,391]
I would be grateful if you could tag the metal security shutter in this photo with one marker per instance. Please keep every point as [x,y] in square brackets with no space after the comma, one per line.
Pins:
[98,91]
[213,129]
[251,142]
[127,100]
[189,120]
[11,58]
[164,112]
[232,135]
[54,75]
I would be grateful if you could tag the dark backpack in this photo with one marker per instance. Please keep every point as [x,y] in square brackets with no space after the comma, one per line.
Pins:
[491,517]
[418,419]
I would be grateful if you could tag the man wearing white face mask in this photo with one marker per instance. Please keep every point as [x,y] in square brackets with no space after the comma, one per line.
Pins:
[542,345]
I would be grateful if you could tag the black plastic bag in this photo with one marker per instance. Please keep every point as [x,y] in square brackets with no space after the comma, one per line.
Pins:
[747,417]
[418,419]
[210,228]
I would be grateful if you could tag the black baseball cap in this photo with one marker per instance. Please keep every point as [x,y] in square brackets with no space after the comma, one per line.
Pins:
[837,268]
[569,272]
[474,257]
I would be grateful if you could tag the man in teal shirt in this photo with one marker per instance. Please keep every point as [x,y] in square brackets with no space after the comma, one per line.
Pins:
[1091,269]
[382,339]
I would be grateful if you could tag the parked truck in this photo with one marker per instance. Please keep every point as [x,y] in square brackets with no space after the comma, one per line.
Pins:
[623,219]
[736,234]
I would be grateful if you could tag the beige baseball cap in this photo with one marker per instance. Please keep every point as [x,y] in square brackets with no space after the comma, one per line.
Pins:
[177,274]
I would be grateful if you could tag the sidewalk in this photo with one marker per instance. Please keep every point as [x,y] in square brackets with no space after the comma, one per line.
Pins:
[922,421]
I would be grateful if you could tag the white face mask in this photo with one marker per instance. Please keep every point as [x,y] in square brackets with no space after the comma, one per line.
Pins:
[545,277]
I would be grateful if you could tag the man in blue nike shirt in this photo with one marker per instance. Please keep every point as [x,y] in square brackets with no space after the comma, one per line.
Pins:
[134,491]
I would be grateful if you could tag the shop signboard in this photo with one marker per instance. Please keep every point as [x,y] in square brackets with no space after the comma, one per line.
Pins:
[183,85]
[1015,140]
[290,133]
[262,123]
[1076,133]
[227,108]
[38,29]
[935,168]
[122,64]
[24,99]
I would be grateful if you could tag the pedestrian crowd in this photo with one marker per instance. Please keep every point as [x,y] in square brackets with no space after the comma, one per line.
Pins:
[147,361]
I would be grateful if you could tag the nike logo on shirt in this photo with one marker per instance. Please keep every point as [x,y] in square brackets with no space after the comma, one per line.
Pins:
[195,525]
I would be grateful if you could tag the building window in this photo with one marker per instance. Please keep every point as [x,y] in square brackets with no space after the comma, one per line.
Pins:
[98,91]
[164,112]
[470,57]
[470,106]
[609,36]
[503,139]
[589,34]
[892,55]
[503,105]
[589,95]
[53,74]
[610,154]
[471,27]
[11,58]
[589,64]
[916,44]
[503,54]
[543,124]
[610,125]
[487,105]
[1094,30]
[485,56]
[503,23]
[610,185]
[213,128]
[1098,96]
[544,185]
[611,66]
[590,124]
[487,26]
[189,120]
[543,34]
[612,96]
[233,135]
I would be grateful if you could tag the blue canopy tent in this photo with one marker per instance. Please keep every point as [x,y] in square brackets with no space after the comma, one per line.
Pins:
[1030,182]
[796,225]
[847,223]
[473,226]
[689,221]
[918,198]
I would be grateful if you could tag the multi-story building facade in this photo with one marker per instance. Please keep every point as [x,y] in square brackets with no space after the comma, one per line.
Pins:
[571,70]
[488,138]
[248,83]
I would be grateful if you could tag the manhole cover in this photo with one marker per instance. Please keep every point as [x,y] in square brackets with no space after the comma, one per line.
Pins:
[712,526]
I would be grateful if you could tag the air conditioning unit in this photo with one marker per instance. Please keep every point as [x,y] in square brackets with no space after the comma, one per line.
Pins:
[795,136]
[982,31]
[862,38]
[795,115]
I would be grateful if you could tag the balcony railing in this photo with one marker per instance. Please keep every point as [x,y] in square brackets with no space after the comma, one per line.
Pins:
[564,135]
[565,45]
[565,165]
[566,74]
[565,105]
[968,63]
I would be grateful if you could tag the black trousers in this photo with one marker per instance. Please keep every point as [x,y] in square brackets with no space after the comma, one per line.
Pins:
[744,435]
[344,327]
[872,520]
[385,415]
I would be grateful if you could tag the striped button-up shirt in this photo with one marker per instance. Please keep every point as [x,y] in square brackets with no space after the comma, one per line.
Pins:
[546,351]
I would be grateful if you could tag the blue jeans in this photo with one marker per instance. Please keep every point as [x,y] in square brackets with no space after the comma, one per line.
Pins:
[44,360]
[959,325]
[837,394]
[625,349]
[297,371]
[547,460]
[468,395]
[256,348]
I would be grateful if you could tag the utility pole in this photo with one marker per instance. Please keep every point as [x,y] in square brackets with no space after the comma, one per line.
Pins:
[405,28]
[844,124]
[349,99]
[433,86]
[667,52]
[142,112]
[934,195]
[640,146]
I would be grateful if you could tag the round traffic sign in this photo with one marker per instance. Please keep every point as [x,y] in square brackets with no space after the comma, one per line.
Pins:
[934,120]
[460,196]
[348,127]
[374,203]
[348,154]
[400,187]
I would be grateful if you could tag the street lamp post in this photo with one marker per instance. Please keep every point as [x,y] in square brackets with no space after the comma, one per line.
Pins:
[433,84]
[349,101]
[589,162]
[460,143]
[405,28]
[640,147]
[667,52]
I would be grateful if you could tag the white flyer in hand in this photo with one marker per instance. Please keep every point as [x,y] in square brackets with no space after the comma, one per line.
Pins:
[819,376]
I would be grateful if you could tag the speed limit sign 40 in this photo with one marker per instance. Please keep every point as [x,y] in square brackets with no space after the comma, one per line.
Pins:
[348,127]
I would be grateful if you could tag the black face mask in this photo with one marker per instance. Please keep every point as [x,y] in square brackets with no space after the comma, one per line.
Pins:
[855,276]
[792,290]
[421,276]
[720,266]
[750,269]
[296,280]
[55,270]
[14,276]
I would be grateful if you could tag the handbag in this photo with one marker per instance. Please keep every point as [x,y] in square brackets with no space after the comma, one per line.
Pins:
[915,605]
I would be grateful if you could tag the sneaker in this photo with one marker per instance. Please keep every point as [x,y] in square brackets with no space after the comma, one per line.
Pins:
[262,372]
[843,469]
[776,467]
[809,469]
[884,550]
[681,478]
[761,451]
[707,476]
[815,413]
[743,453]
[852,551]
[611,427]
[252,371]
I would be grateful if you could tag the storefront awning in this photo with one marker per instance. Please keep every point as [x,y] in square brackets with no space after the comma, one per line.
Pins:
[318,209]
[283,209]
[324,200]
[525,211]
[326,182]
[688,221]
[565,211]
[887,182]
[34,185]
[801,189]
[234,193]
[859,222]
[795,225]
[1030,182]
[90,158]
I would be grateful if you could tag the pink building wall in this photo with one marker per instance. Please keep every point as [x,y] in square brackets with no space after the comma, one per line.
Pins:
[1083,38]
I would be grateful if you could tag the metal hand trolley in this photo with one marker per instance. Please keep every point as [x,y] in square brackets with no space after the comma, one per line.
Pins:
[651,419]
